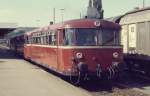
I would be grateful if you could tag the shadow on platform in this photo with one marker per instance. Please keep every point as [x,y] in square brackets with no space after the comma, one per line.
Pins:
[129,83]
[103,86]
[7,54]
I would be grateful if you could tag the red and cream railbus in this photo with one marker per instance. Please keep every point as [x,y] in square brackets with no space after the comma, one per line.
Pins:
[88,46]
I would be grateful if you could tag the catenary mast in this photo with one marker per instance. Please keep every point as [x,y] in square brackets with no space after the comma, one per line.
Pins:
[94,9]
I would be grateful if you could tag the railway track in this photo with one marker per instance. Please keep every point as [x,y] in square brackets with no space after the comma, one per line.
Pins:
[127,86]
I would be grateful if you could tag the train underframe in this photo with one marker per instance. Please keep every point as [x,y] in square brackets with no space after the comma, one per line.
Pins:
[83,74]
[139,64]
[111,74]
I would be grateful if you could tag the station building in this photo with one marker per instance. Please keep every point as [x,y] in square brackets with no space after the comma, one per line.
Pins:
[5,28]
[19,31]
[135,30]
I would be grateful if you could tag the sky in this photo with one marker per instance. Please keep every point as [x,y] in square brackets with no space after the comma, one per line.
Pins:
[40,12]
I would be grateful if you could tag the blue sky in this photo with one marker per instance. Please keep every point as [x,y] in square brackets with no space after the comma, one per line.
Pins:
[40,12]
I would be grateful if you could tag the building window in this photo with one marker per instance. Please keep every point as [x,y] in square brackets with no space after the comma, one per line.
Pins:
[132,29]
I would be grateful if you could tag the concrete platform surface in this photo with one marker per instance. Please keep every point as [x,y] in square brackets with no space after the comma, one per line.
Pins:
[20,78]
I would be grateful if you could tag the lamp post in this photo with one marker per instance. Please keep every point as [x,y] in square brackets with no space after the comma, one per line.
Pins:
[80,15]
[54,15]
[62,14]
[143,3]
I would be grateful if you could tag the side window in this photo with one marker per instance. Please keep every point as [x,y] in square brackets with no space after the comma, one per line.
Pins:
[49,36]
[68,35]
[117,37]
[47,40]
[31,40]
[99,36]
[35,38]
[53,38]
[44,40]
[38,40]
[35,41]
[26,40]
[50,39]
[41,37]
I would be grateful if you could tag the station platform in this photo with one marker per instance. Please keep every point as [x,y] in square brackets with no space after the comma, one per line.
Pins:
[20,78]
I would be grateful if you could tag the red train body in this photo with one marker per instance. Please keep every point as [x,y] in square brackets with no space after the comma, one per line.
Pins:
[88,46]
[83,47]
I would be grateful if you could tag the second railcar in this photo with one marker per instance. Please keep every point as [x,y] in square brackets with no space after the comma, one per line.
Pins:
[15,39]
[16,43]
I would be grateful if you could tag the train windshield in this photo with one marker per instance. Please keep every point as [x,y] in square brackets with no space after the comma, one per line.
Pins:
[91,37]
[110,37]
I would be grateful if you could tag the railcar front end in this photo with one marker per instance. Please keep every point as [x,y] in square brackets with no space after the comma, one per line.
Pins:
[91,51]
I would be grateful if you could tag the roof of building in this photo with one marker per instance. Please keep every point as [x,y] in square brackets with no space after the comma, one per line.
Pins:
[137,15]
[19,31]
[4,25]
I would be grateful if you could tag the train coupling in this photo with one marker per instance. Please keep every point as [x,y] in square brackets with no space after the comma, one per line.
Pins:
[82,67]
[98,70]
[113,70]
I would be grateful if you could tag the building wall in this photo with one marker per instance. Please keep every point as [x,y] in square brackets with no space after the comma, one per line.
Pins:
[136,37]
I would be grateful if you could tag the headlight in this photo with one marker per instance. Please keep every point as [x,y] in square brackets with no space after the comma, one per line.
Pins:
[79,55]
[115,54]
[115,63]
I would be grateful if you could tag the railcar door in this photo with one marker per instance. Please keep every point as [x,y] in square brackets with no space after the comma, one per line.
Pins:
[52,50]
[59,50]
[27,47]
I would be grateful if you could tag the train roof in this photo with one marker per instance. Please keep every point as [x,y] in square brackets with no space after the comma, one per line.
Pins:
[115,19]
[90,23]
[137,15]
[80,23]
